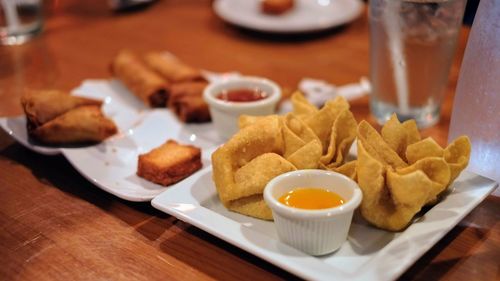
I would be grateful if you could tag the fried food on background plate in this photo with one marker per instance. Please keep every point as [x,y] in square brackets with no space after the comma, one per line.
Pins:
[399,174]
[276,7]
[55,117]
[169,163]
[267,146]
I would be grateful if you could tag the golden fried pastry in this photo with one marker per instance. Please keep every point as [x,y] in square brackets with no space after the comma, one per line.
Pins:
[191,109]
[186,100]
[146,84]
[398,173]
[43,106]
[79,125]
[276,7]
[55,117]
[169,163]
[267,146]
[243,166]
[171,68]
[334,125]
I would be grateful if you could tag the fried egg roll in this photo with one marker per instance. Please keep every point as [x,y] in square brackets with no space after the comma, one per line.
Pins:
[146,84]
[79,125]
[172,68]
[192,109]
[186,100]
[44,105]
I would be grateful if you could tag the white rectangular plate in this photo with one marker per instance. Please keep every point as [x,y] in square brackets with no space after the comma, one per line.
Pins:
[112,164]
[369,253]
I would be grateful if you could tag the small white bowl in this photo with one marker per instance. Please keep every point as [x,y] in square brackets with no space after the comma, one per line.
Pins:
[225,114]
[316,232]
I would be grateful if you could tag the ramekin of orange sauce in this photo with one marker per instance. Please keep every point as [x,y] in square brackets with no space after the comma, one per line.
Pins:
[313,209]
[311,198]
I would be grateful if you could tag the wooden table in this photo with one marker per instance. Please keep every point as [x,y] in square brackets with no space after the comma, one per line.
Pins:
[55,225]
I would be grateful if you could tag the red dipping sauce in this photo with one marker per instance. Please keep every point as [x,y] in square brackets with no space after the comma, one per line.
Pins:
[242,95]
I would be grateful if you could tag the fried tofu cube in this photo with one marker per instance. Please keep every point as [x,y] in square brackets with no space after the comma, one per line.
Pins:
[169,163]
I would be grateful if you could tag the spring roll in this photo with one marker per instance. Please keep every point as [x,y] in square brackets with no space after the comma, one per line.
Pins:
[178,90]
[146,84]
[41,106]
[172,68]
[79,125]
[186,100]
[192,109]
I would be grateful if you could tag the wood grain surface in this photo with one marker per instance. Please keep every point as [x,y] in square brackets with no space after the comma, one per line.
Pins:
[55,225]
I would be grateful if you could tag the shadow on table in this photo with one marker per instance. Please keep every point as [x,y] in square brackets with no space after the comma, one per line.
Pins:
[57,172]
[283,37]
[180,247]
[479,225]
[424,269]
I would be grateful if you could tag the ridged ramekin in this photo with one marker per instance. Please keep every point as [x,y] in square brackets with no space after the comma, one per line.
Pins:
[225,114]
[316,232]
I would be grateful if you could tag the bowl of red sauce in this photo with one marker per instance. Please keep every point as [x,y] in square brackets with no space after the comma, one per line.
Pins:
[313,209]
[246,95]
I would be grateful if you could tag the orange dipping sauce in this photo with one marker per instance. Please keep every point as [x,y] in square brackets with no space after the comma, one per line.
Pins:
[311,198]
[242,95]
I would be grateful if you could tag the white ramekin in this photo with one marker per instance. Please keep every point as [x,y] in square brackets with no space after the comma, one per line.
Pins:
[316,232]
[225,114]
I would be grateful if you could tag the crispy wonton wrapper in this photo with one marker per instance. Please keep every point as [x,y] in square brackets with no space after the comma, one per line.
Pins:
[399,173]
[243,166]
[267,146]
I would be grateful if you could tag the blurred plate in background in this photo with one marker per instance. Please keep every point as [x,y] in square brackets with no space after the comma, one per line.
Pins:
[305,16]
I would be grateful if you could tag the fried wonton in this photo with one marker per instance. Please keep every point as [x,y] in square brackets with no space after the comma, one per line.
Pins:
[55,117]
[334,126]
[398,173]
[267,146]
[243,166]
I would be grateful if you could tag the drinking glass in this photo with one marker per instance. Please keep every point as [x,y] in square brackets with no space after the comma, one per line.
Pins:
[476,108]
[20,20]
[412,47]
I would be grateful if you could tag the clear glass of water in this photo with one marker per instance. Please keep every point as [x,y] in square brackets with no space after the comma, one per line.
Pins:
[412,47]
[20,20]
[476,108]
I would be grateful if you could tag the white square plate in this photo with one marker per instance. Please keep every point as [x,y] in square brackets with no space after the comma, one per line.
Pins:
[369,253]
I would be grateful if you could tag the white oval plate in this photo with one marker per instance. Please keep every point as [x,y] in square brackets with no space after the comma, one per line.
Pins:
[306,16]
